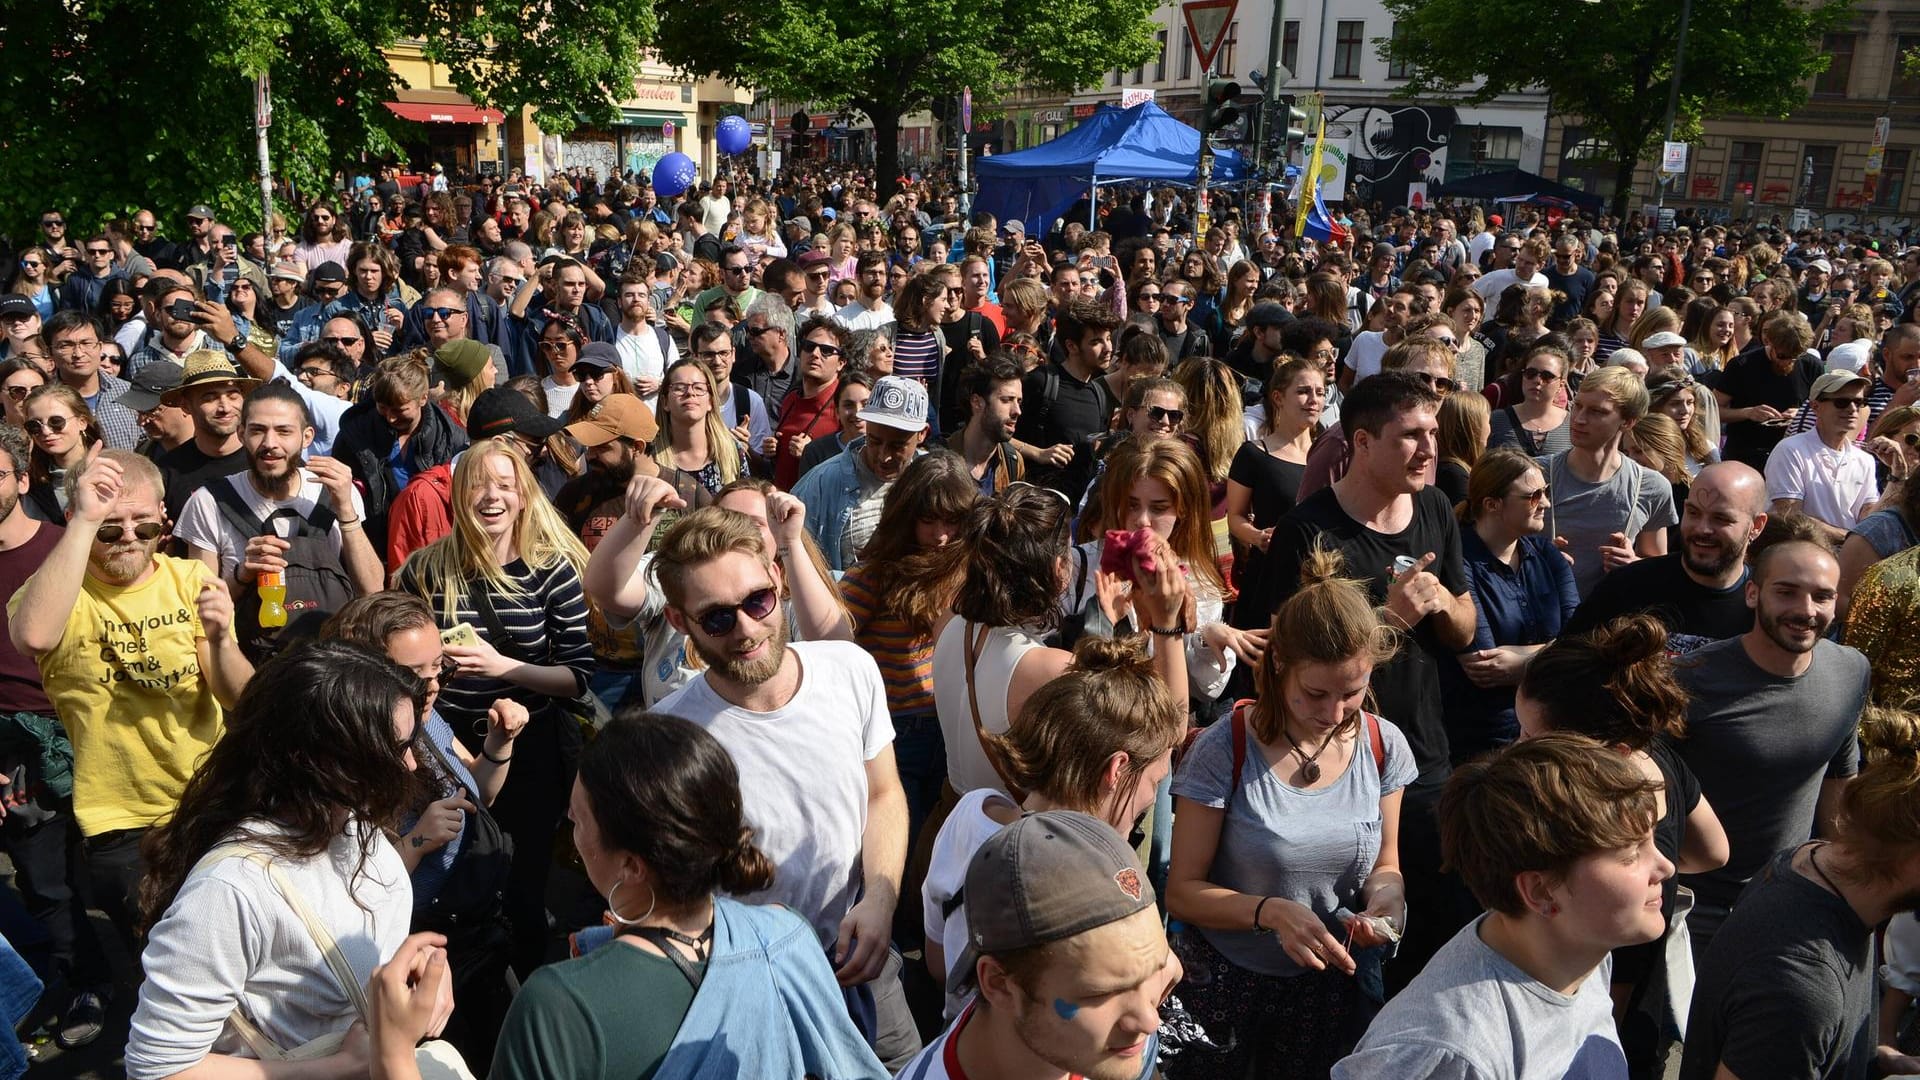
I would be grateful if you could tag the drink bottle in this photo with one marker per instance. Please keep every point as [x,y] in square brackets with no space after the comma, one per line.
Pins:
[273,599]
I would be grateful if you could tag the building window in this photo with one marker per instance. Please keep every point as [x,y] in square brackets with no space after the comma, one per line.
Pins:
[1476,148]
[1892,188]
[1223,63]
[1396,67]
[1905,88]
[1117,76]
[1839,49]
[1816,169]
[1347,42]
[1139,74]
[1290,47]
[1743,169]
[1186,55]
[1160,60]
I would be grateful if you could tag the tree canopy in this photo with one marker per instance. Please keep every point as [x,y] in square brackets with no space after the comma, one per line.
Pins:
[887,59]
[111,105]
[1611,64]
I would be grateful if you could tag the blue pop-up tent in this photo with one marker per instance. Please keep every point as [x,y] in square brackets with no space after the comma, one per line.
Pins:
[1113,146]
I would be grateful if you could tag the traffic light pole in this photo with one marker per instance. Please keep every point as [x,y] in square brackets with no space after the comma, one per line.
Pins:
[1263,125]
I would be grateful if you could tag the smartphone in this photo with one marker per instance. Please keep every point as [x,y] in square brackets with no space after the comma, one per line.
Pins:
[181,310]
[461,634]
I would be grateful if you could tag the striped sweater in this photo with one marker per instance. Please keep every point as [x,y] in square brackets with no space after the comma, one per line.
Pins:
[905,659]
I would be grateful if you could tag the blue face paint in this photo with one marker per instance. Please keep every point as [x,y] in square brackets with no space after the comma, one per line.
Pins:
[1065,1009]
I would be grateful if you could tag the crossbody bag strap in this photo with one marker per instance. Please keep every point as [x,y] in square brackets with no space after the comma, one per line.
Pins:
[1376,743]
[1239,733]
[502,642]
[974,642]
[660,938]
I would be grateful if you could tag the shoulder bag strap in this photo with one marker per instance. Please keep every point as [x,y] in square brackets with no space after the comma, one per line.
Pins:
[502,641]
[235,509]
[974,642]
[1239,723]
[1376,744]
[316,929]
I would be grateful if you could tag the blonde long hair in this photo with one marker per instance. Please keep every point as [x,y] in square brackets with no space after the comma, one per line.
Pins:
[448,568]
[721,448]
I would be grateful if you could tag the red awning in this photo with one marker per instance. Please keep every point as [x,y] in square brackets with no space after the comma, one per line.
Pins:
[438,113]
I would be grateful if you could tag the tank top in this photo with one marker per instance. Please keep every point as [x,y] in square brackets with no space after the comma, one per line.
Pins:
[967,765]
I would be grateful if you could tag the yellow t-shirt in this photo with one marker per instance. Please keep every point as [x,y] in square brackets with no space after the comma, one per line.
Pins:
[125,680]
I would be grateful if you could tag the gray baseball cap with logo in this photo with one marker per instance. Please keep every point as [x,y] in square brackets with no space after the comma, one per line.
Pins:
[897,402]
[1047,877]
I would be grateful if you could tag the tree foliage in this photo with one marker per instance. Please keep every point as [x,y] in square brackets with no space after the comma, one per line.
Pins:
[1611,64]
[111,105]
[887,58]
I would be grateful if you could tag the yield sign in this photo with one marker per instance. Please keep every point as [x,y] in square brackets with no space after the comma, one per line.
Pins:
[1207,22]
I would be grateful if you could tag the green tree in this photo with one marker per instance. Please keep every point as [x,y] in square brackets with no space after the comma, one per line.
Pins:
[1611,64]
[887,60]
[111,105]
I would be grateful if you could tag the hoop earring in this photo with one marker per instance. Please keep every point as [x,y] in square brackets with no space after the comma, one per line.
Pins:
[613,910]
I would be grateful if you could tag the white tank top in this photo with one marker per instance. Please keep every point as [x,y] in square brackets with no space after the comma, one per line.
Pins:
[967,765]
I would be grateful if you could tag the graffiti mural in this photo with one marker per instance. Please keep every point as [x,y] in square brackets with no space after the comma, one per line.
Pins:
[1394,146]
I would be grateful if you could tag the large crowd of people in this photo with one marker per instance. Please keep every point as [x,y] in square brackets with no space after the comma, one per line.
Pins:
[544,629]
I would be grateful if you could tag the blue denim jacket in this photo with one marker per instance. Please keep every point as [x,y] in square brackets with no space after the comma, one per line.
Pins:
[768,1004]
[831,491]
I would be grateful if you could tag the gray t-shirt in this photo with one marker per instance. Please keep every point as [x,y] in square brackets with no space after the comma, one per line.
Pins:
[1761,744]
[1315,848]
[1787,989]
[1631,501]
[1472,1015]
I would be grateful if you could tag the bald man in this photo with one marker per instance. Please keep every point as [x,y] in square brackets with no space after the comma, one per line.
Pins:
[1699,591]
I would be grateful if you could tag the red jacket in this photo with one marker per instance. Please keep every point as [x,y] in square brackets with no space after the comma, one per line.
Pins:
[422,514]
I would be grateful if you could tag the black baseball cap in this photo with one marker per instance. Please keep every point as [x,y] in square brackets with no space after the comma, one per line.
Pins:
[501,411]
[150,383]
[1269,313]
[329,271]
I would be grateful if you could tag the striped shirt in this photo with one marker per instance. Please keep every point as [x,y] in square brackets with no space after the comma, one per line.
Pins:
[905,658]
[917,355]
[547,618]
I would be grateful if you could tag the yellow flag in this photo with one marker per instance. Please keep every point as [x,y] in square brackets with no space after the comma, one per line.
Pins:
[1303,202]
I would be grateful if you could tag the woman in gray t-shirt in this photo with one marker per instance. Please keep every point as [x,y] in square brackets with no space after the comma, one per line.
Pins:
[1286,823]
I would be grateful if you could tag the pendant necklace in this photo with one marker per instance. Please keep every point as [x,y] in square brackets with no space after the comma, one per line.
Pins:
[1309,766]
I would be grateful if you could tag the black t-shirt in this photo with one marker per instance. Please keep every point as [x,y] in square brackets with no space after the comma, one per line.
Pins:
[1576,286]
[1751,379]
[1275,486]
[187,470]
[1406,688]
[1695,614]
[1073,413]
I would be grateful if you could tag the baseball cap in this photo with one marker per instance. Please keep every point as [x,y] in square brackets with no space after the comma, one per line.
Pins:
[463,359]
[15,304]
[500,411]
[1269,313]
[1662,339]
[830,214]
[1850,356]
[1495,219]
[1821,265]
[329,271]
[150,384]
[1047,877]
[664,263]
[599,355]
[1835,381]
[814,257]
[898,403]
[201,210]
[139,266]
[617,416]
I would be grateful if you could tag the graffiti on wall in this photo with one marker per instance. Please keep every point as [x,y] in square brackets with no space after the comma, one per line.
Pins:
[1842,220]
[1395,145]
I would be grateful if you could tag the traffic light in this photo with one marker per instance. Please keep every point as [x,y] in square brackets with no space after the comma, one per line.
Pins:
[1296,130]
[1221,108]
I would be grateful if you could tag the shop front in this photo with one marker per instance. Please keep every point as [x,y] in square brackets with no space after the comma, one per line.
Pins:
[454,133]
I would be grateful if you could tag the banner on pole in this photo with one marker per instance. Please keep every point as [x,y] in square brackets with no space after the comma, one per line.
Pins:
[1309,179]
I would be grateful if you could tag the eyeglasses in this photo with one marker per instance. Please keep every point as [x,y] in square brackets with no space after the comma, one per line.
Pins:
[19,393]
[720,621]
[688,390]
[1170,417]
[1440,384]
[145,530]
[713,354]
[1850,404]
[75,346]
[444,314]
[555,346]
[316,372]
[824,348]
[1149,297]
[1534,498]
[1543,374]
[55,424]
[343,342]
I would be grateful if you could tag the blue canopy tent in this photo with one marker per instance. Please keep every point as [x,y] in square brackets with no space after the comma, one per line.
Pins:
[1113,146]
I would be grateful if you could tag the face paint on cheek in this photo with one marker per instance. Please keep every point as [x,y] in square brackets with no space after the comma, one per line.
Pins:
[1064,1009]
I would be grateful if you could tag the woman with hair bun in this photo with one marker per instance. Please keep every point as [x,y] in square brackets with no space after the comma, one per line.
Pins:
[1098,739]
[1286,823]
[1615,685]
[686,982]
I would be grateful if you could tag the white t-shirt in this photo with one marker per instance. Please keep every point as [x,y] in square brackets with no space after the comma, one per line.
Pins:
[965,830]
[857,317]
[1481,243]
[1835,486]
[803,773]
[1364,355]
[641,357]
[326,409]
[202,525]
[940,1059]
[558,397]
[1492,285]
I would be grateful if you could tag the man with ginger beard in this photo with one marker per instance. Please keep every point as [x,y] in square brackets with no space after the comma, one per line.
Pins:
[136,653]
[279,480]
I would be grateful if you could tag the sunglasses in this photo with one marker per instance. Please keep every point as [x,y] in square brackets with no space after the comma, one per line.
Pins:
[19,393]
[1170,417]
[1177,299]
[99,251]
[441,313]
[52,222]
[1535,497]
[112,534]
[736,269]
[1911,438]
[1149,297]
[1441,384]
[1542,374]
[342,342]
[1850,404]
[55,424]
[720,621]
[760,331]
[32,265]
[555,346]
[821,347]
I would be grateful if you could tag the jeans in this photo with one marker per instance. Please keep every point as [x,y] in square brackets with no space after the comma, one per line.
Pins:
[614,687]
[114,870]
[50,868]
[19,989]
[920,753]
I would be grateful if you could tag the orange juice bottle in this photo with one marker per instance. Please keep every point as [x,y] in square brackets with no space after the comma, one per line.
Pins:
[273,599]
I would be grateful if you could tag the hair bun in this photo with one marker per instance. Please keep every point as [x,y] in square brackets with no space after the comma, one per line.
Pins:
[1891,731]
[1096,653]
[1630,639]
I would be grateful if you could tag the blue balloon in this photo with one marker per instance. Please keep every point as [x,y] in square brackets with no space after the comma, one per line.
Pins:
[673,175]
[733,134]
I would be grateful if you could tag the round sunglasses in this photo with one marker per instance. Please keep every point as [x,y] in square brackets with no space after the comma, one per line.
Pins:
[720,621]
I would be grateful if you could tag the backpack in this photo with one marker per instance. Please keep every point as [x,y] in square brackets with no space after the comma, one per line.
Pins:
[317,584]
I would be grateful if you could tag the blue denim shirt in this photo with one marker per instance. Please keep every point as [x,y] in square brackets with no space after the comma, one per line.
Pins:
[1527,606]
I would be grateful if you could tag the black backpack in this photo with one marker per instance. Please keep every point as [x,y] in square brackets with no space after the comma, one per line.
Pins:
[317,585]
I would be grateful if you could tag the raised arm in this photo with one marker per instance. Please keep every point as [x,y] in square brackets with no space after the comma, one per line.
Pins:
[614,578]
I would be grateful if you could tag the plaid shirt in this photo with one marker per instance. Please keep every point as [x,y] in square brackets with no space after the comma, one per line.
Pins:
[119,425]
